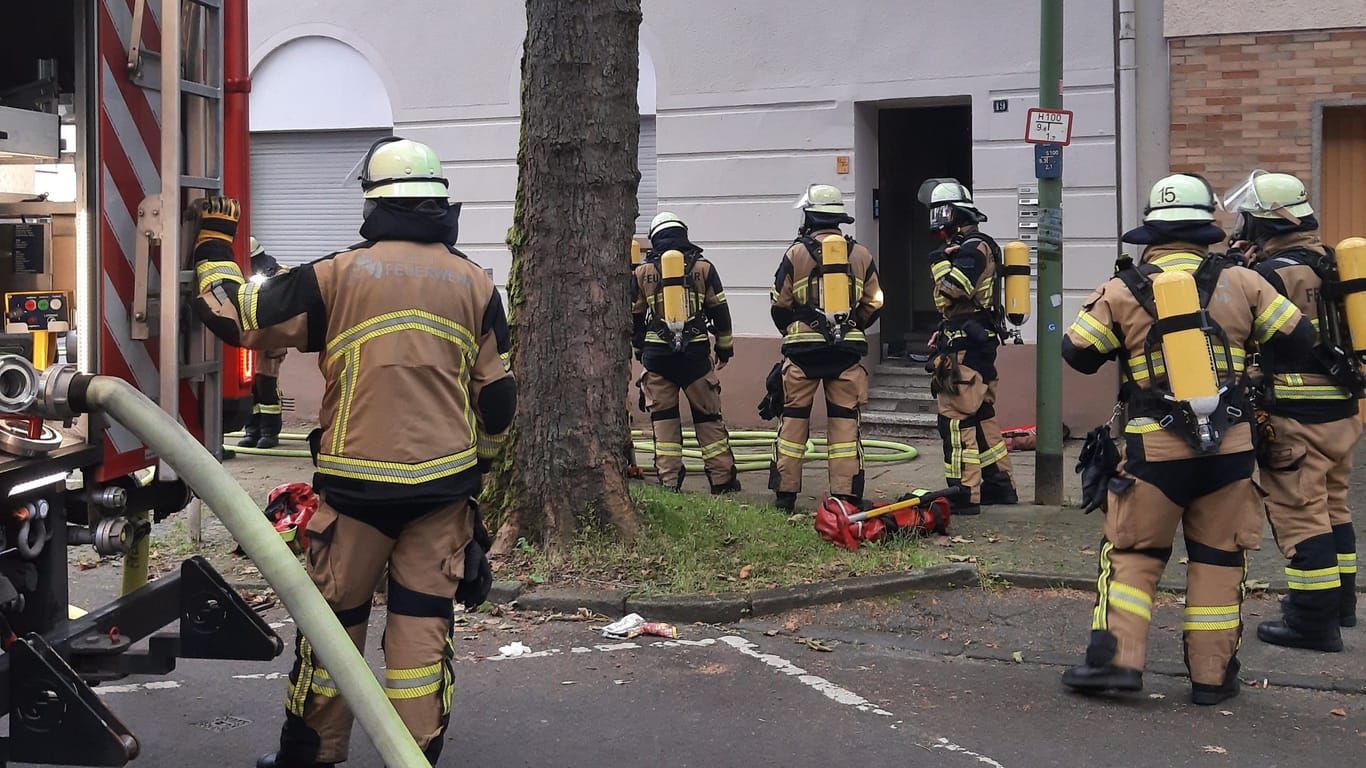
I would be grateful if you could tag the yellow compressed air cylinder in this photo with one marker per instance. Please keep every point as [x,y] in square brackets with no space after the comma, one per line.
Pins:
[1351,256]
[675,296]
[1185,353]
[635,253]
[835,283]
[1017,282]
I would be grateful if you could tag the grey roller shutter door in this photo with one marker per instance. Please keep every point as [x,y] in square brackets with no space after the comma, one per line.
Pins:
[303,206]
[648,193]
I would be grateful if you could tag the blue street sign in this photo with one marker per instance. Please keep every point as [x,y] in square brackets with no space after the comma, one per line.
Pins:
[1048,161]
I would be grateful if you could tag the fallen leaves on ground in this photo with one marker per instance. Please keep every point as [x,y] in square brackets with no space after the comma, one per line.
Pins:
[1214,749]
[1157,695]
[962,540]
[1018,657]
[814,645]
[746,571]
[1256,584]
[1339,712]
[941,541]
[960,558]
[1225,712]
[791,625]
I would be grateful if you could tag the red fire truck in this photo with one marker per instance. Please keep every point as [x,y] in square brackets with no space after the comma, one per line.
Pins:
[143,105]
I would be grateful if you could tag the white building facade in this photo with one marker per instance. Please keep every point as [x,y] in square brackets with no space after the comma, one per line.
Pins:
[743,105]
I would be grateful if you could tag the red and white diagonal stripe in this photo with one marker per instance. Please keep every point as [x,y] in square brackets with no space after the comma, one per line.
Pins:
[129,148]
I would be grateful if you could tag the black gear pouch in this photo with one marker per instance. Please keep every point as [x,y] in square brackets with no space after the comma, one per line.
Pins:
[1097,465]
[478,580]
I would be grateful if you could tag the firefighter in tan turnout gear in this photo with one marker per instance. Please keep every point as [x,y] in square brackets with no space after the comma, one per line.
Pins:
[1180,323]
[267,417]
[967,292]
[413,347]
[678,302]
[825,296]
[1312,428]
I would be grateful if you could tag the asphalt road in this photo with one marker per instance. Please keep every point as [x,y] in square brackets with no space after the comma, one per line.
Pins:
[736,696]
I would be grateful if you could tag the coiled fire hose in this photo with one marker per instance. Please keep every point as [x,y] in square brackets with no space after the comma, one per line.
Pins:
[756,460]
[60,392]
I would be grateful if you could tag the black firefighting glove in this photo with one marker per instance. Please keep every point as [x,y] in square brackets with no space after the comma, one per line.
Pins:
[1097,464]
[218,218]
[724,354]
[478,580]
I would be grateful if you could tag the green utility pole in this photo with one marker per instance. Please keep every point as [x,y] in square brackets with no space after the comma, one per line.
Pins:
[1048,391]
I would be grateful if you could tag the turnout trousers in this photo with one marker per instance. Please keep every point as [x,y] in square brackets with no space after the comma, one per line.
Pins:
[346,559]
[1219,508]
[974,452]
[1305,472]
[845,394]
[704,400]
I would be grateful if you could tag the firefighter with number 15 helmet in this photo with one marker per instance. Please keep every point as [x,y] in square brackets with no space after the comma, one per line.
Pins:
[1312,426]
[413,348]
[1180,323]
[966,292]
[678,301]
[825,295]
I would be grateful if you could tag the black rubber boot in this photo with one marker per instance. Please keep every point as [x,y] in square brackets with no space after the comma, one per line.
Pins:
[786,502]
[273,760]
[1209,695]
[1098,672]
[271,423]
[997,489]
[1329,640]
[252,432]
[730,486]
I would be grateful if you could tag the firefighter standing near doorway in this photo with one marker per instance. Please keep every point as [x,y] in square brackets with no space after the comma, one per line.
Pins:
[267,418]
[413,347]
[824,341]
[1180,323]
[967,292]
[676,278]
[1311,428]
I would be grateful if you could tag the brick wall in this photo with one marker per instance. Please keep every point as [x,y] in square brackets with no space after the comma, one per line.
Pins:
[1245,101]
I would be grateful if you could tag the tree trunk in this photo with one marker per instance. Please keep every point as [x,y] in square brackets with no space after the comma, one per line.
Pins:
[575,214]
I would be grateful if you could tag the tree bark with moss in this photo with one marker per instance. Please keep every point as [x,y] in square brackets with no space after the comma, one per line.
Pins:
[574,217]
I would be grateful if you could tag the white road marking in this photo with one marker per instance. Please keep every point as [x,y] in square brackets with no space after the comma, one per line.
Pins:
[842,695]
[262,676]
[155,685]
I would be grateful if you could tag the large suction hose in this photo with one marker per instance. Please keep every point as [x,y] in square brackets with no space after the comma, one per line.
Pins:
[281,569]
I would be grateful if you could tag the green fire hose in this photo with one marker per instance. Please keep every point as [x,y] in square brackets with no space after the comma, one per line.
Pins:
[874,451]
[281,569]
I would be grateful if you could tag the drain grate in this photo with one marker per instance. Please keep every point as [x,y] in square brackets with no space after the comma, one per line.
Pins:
[224,723]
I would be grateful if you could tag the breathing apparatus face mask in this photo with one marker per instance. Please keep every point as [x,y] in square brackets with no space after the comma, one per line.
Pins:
[941,217]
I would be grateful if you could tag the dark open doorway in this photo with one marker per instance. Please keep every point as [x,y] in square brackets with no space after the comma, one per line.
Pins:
[914,144]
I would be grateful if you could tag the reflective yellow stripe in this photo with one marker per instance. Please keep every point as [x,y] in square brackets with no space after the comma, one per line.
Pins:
[1212,618]
[397,472]
[971,456]
[940,269]
[1310,392]
[791,449]
[1095,333]
[1313,580]
[668,449]
[1347,563]
[993,454]
[1131,600]
[844,450]
[300,686]
[799,289]
[210,272]
[349,374]
[957,276]
[1273,318]
[712,450]
[490,446]
[1138,365]
[1100,618]
[506,357]
[725,342]
[268,409]
[413,683]
[403,320]
[953,468]
[246,305]
[720,297]
[1185,262]
[809,337]
[1142,426]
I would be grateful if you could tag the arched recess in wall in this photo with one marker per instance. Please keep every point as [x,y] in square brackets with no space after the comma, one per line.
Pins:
[317,105]
[648,193]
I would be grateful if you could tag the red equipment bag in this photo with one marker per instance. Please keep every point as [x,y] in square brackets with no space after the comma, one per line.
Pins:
[1020,438]
[289,508]
[843,524]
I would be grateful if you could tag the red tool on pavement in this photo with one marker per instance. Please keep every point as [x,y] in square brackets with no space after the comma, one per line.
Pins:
[289,508]
[843,524]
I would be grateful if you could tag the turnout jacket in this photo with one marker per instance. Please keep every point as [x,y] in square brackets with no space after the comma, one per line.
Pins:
[1114,325]
[965,280]
[797,293]
[1301,387]
[414,351]
[708,313]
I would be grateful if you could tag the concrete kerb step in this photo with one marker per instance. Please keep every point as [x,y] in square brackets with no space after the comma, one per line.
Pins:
[727,608]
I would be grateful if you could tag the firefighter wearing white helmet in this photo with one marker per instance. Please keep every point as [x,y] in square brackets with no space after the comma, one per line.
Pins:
[678,357]
[262,429]
[1309,405]
[967,292]
[414,349]
[1181,324]
[825,296]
